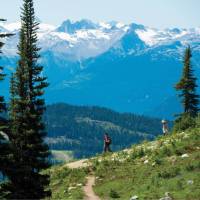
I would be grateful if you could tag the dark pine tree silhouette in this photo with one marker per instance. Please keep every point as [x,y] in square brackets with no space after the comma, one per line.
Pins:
[187,87]
[4,140]
[2,75]
[2,103]
[27,131]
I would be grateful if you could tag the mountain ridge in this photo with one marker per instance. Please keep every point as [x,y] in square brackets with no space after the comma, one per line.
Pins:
[81,128]
[129,68]
[150,36]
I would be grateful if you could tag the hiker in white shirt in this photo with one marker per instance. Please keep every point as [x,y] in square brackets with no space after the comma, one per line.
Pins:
[165,127]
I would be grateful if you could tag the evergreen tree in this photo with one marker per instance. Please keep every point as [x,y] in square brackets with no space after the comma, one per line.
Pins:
[2,103]
[3,122]
[27,131]
[4,146]
[190,100]
[187,85]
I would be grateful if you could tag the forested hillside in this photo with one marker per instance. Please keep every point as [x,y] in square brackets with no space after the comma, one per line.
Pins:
[80,128]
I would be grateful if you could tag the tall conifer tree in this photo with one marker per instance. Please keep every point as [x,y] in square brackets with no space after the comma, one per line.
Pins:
[2,109]
[187,87]
[4,146]
[27,130]
[2,103]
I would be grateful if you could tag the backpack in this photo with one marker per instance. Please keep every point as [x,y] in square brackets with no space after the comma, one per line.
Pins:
[109,140]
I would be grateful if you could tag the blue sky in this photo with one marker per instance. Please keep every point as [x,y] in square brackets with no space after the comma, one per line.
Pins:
[154,13]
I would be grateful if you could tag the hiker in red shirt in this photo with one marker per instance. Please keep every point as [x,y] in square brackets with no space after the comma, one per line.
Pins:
[107,143]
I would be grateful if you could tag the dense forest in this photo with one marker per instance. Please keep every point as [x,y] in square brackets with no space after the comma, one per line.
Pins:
[81,128]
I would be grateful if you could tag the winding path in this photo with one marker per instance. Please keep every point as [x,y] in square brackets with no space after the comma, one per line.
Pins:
[88,188]
[78,164]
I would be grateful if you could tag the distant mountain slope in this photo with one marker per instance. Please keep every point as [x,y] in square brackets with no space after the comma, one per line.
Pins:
[80,128]
[129,68]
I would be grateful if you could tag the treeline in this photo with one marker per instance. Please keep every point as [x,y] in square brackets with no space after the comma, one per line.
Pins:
[81,128]
[127,120]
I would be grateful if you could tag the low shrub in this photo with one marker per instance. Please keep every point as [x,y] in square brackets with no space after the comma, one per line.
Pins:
[184,122]
[158,161]
[114,194]
[166,151]
[169,173]
[141,153]
[137,153]
[180,151]
[190,167]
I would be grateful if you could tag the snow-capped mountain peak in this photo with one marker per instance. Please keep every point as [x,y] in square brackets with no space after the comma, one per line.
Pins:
[85,39]
[77,40]
[11,27]
[152,36]
[85,62]
[71,27]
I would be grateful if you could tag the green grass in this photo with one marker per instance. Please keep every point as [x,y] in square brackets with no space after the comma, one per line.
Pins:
[165,170]
[147,170]
[66,183]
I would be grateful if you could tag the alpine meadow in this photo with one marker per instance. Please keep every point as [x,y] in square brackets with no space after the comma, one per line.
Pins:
[99,100]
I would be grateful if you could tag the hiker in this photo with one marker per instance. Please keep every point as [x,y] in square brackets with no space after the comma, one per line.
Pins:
[107,143]
[165,127]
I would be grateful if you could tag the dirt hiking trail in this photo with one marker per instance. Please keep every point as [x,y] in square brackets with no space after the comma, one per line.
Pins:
[88,188]
[78,164]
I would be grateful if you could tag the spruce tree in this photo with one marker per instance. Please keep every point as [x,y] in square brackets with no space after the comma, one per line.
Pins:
[187,92]
[187,86]
[4,144]
[2,103]
[3,122]
[27,131]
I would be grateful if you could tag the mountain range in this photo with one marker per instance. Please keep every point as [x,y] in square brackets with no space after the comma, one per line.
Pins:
[126,67]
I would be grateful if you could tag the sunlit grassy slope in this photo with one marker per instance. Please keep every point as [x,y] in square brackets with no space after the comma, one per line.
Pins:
[168,166]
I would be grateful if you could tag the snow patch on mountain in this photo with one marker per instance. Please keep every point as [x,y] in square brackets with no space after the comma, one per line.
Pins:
[46,28]
[11,27]
[154,37]
[77,40]
[84,39]
[105,25]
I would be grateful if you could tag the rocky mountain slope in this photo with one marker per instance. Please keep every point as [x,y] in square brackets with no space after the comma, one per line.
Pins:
[124,67]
